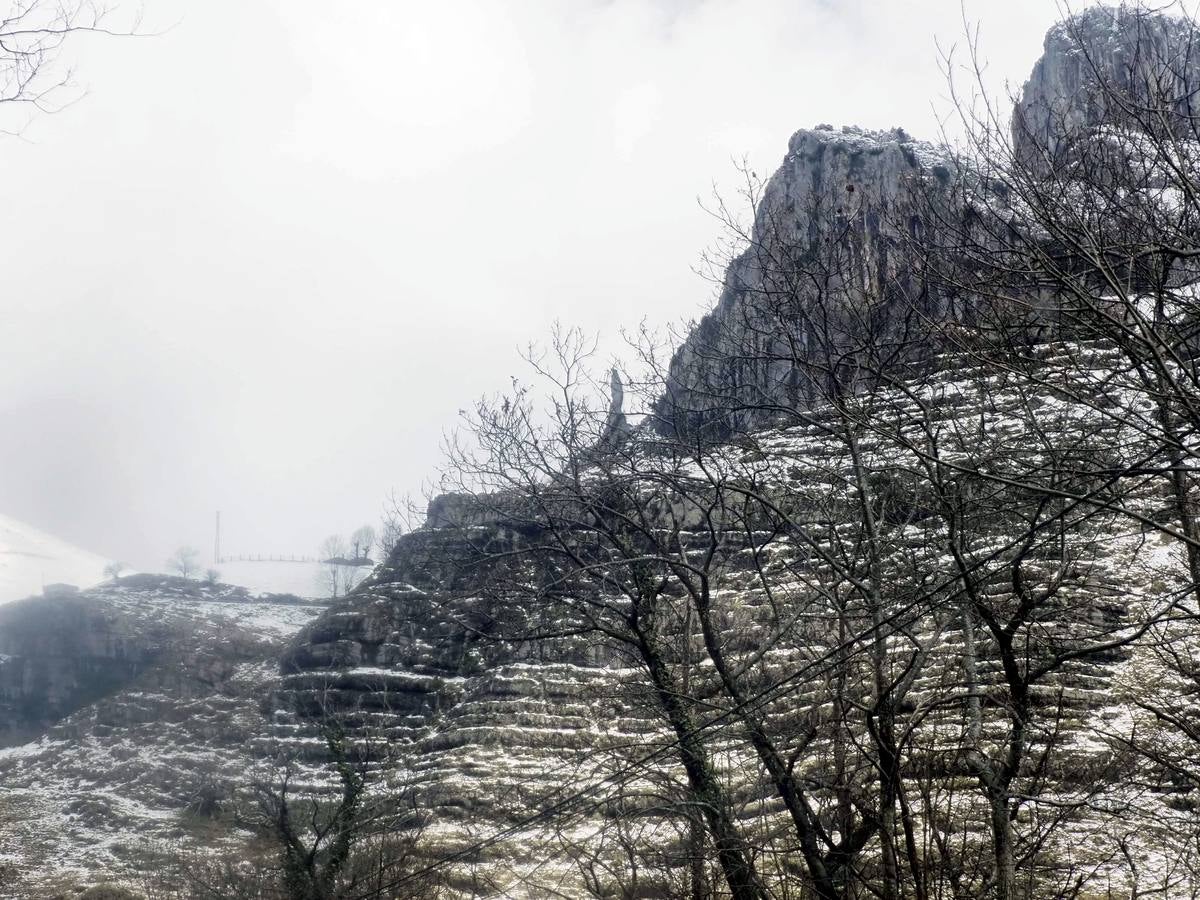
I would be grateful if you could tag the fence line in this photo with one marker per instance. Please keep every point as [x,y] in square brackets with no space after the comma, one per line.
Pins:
[266,557]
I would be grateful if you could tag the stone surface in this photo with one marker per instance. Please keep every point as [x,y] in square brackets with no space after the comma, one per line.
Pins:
[488,730]
[869,187]
[1121,46]
[876,190]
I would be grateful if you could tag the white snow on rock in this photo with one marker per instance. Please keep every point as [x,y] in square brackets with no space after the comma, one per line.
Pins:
[31,559]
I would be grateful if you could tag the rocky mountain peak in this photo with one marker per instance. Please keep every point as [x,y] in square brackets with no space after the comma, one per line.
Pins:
[844,168]
[852,181]
[1138,51]
[876,190]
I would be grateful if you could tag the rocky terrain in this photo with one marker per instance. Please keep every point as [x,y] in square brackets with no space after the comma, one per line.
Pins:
[514,701]
[489,731]
[140,702]
[1059,104]
[479,716]
[868,184]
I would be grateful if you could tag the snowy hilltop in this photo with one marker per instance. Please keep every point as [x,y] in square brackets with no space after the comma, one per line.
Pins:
[31,559]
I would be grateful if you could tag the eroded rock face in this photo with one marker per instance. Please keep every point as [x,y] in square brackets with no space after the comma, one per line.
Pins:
[794,294]
[407,656]
[792,291]
[455,510]
[482,730]
[422,643]
[1136,52]
[487,731]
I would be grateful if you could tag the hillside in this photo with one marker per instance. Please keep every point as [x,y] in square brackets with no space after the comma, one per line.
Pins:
[891,592]
[139,704]
[513,743]
[30,559]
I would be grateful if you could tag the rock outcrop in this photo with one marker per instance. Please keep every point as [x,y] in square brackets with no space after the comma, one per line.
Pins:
[1095,56]
[479,721]
[793,292]
[419,663]
[482,730]
[794,297]
[489,731]
[65,650]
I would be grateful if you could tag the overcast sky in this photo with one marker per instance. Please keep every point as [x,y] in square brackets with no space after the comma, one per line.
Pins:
[268,256]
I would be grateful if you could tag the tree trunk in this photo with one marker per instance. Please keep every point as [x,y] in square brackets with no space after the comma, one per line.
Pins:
[706,789]
[1002,839]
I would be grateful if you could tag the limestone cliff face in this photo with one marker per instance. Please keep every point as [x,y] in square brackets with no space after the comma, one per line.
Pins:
[1133,51]
[778,302]
[487,731]
[415,656]
[881,193]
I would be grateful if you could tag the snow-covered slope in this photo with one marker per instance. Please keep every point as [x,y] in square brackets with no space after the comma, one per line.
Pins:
[165,717]
[30,558]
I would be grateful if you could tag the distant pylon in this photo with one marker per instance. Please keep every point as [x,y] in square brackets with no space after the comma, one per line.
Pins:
[217,540]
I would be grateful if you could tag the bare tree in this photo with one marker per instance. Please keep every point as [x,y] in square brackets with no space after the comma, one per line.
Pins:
[340,830]
[1013,485]
[185,561]
[332,555]
[594,558]
[362,542]
[401,514]
[869,574]
[891,512]
[1074,237]
[32,36]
